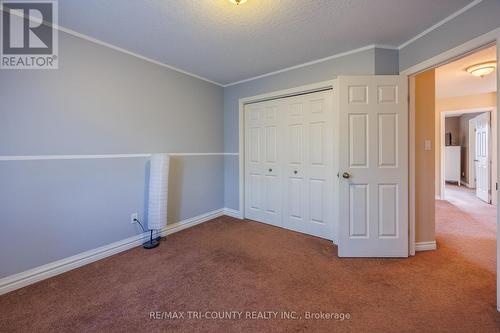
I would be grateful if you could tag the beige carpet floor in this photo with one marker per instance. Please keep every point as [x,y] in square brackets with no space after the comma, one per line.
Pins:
[249,267]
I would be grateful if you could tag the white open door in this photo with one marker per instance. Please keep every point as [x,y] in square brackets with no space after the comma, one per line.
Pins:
[373,119]
[482,157]
[471,156]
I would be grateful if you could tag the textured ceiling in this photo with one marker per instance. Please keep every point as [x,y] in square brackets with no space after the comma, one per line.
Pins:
[453,80]
[226,43]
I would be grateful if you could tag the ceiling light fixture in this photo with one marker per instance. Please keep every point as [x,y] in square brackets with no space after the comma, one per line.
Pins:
[238,2]
[483,69]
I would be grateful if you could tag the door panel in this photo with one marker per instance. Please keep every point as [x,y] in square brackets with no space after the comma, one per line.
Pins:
[272,194]
[316,143]
[373,123]
[358,140]
[359,212]
[388,210]
[255,191]
[388,140]
[317,193]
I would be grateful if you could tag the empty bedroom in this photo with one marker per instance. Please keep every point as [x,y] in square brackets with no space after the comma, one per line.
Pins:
[249,166]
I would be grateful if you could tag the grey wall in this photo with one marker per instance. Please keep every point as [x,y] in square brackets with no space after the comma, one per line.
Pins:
[99,101]
[104,101]
[476,21]
[386,61]
[361,63]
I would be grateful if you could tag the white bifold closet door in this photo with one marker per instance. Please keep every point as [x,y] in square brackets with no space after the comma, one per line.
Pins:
[373,128]
[289,158]
[263,171]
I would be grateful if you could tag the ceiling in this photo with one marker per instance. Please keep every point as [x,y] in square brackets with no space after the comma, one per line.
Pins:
[452,79]
[226,43]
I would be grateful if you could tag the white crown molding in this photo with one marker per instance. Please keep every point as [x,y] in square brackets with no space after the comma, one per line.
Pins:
[425,246]
[440,23]
[459,51]
[136,55]
[101,156]
[309,63]
[16,281]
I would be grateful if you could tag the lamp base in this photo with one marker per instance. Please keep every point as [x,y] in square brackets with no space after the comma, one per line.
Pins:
[151,244]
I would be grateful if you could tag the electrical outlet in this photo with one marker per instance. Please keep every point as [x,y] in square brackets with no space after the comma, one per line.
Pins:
[133,218]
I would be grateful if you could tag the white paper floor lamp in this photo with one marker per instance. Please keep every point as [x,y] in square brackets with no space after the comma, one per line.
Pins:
[158,196]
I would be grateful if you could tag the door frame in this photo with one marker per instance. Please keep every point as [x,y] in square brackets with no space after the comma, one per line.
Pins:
[473,45]
[305,89]
[470,161]
[442,139]
[486,40]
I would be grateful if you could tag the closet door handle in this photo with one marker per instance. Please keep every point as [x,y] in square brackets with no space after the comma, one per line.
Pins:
[295,171]
[270,170]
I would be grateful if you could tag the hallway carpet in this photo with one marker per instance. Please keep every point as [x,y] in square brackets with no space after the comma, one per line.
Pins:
[230,265]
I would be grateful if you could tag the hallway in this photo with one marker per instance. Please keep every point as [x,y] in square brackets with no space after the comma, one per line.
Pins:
[467,225]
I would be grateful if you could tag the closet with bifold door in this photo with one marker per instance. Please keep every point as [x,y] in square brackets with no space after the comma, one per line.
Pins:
[289,163]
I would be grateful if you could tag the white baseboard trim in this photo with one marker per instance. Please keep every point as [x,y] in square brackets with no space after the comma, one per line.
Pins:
[425,246]
[43,272]
[233,213]
[188,223]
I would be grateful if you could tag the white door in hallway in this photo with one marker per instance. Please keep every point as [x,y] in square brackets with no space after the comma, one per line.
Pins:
[471,156]
[482,157]
[373,124]
[289,163]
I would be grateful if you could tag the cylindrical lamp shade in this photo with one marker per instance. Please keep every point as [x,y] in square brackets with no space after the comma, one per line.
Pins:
[158,191]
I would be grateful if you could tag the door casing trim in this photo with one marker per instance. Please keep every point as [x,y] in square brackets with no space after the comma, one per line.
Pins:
[491,110]
[471,46]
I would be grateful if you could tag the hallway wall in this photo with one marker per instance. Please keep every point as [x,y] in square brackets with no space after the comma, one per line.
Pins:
[424,176]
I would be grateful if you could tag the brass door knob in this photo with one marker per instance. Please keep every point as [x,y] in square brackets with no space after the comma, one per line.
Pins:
[346,175]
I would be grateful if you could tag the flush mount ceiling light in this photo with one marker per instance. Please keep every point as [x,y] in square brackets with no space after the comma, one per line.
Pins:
[238,2]
[483,69]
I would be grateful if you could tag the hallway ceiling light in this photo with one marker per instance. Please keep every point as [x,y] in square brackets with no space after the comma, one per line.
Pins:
[483,69]
[238,2]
